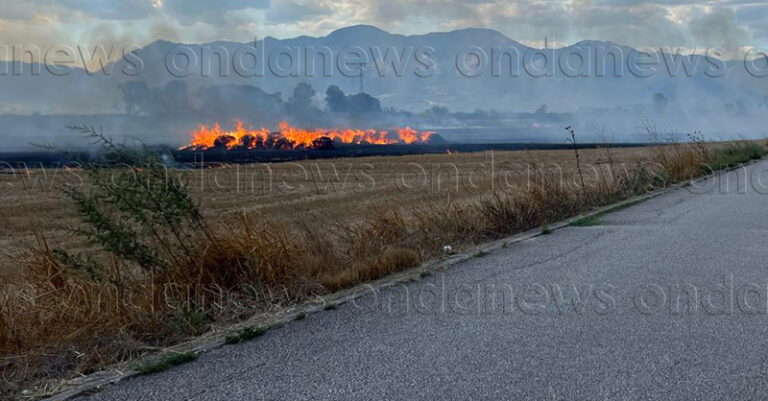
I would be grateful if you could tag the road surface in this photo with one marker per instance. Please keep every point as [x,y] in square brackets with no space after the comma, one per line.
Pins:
[672,304]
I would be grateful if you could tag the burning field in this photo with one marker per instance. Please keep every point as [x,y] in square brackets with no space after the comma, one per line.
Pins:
[241,144]
[288,137]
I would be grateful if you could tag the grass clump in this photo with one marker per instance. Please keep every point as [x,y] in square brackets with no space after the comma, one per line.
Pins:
[165,362]
[733,155]
[245,334]
[481,253]
[545,230]
[587,221]
[595,219]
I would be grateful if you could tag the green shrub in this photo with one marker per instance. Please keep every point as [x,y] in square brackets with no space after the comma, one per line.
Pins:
[134,209]
[247,333]
[733,155]
[165,362]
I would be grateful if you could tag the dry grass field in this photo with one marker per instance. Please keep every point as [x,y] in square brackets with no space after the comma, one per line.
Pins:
[318,192]
[289,230]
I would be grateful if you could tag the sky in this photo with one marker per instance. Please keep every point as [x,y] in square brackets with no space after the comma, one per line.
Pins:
[731,24]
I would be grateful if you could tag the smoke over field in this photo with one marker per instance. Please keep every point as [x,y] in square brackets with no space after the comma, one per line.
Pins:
[188,173]
[476,84]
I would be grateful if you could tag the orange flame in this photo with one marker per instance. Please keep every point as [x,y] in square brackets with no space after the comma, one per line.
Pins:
[289,137]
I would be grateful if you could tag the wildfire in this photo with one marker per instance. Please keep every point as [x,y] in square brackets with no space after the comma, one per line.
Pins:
[289,137]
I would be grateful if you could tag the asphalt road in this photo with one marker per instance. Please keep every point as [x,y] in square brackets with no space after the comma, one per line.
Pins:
[509,326]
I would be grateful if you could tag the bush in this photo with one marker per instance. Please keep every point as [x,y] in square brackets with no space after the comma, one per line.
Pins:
[732,155]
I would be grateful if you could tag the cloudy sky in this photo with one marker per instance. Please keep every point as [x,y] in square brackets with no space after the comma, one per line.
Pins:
[731,24]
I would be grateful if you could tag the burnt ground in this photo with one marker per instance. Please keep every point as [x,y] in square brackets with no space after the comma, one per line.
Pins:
[47,158]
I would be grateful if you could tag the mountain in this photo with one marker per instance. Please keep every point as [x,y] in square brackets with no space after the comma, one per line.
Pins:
[432,72]
[444,84]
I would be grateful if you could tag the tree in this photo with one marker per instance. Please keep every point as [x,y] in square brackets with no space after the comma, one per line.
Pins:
[302,96]
[361,103]
[335,99]
[438,111]
[660,102]
[169,100]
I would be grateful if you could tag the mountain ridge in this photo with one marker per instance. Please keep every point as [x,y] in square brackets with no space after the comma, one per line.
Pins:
[498,86]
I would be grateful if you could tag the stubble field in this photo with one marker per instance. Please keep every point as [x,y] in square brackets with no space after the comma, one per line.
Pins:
[146,264]
[318,193]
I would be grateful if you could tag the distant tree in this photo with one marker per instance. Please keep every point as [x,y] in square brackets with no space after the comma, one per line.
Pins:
[363,103]
[170,100]
[335,99]
[227,102]
[742,106]
[438,111]
[542,109]
[175,99]
[302,96]
[139,98]
[478,114]
[660,102]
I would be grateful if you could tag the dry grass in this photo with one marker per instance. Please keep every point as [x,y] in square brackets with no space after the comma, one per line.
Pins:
[294,197]
[283,240]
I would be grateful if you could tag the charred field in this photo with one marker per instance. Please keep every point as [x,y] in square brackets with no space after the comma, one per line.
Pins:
[194,157]
[344,151]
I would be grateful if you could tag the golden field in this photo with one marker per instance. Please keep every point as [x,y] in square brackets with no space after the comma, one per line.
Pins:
[317,192]
[270,235]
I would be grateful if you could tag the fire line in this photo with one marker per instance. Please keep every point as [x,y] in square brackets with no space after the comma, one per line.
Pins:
[289,137]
